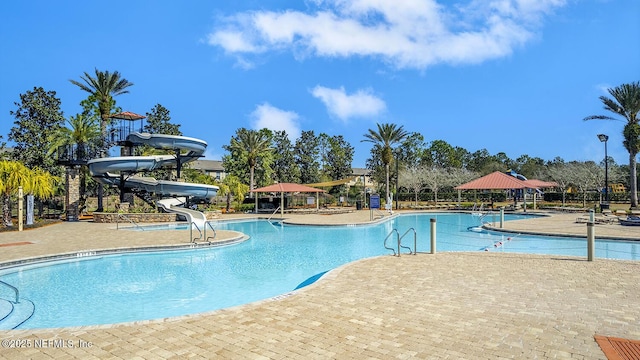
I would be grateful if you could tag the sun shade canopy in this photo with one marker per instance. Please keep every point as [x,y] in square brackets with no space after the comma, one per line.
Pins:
[287,187]
[495,180]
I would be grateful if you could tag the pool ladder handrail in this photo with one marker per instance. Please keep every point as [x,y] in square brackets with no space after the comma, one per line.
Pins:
[191,238]
[270,216]
[120,215]
[15,290]
[397,240]
[206,238]
[415,242]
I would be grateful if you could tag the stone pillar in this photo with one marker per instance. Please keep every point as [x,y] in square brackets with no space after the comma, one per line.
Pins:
[72,189]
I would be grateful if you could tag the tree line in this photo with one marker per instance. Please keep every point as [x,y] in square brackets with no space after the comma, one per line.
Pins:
[262,157]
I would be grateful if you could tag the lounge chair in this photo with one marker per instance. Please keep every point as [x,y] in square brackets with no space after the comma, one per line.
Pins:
[631,220]
[599,219]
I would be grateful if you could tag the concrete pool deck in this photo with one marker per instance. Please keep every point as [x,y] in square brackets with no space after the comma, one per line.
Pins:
[449,305]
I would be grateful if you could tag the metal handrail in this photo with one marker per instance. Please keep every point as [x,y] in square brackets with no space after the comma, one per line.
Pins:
[191,238]
[206,238]
[397,239]
[415,242]
[15,289]
[128,219]
[270,216]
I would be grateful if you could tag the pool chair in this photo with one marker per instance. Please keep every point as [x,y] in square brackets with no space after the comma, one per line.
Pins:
[599,219]
[631,220]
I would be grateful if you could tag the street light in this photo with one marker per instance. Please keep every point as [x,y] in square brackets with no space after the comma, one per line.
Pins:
[397,153]
[603,138]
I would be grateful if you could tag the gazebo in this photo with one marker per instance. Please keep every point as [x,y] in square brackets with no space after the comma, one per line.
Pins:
[287,188]
[500,181]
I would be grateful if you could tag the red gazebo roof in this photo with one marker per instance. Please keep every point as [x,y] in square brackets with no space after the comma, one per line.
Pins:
[539,184]
[127,115]
[495,180]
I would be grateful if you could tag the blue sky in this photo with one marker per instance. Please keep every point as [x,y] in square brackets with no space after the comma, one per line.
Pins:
[512,76]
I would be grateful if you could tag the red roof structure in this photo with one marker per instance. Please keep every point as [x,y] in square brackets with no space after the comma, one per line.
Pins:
[287,187]
[495,180]
[539,184]
[127,115]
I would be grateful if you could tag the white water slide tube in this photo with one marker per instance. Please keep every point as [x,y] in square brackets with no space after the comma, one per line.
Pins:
[102,169]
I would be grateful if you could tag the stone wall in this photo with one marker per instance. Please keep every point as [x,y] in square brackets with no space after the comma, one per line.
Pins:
[145,217]
[136,217]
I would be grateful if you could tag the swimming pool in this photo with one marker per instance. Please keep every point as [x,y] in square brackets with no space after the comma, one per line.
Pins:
[275,260]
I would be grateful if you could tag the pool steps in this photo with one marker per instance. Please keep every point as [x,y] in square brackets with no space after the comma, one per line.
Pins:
[14,313]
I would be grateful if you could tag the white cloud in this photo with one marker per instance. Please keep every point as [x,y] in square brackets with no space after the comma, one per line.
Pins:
[272,118]
[406,34]
[344,106]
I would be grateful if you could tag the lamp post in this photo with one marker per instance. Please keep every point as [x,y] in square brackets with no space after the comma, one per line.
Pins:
[397,153]
[604,138]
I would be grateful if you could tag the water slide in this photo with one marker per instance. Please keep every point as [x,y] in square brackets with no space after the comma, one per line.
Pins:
[177,205]
[120,171]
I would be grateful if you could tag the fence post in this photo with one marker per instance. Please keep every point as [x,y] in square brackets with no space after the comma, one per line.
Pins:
[433,235]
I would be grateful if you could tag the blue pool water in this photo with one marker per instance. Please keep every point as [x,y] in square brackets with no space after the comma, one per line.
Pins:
[276,260]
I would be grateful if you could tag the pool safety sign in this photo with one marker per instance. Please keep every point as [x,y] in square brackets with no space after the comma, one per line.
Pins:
[374,201]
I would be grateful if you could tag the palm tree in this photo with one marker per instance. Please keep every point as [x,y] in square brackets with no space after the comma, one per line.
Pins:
[103,87]
[82,132]
[386,136]
[626,103]
[232,186]
[43,185]
[252,145]
[13,174]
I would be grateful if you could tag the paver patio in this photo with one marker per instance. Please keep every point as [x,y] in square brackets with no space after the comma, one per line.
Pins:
[449,305]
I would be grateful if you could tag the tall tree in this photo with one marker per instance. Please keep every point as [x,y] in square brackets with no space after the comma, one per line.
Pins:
[412,149]
[562,174]
[412,177]
[104,86]
[251,147]
[159,122]
[529,166]
[339,158]
[37,115]
[306,152]
[479,160]
[386,136]
[626,103]
[284,165]
[82,133]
